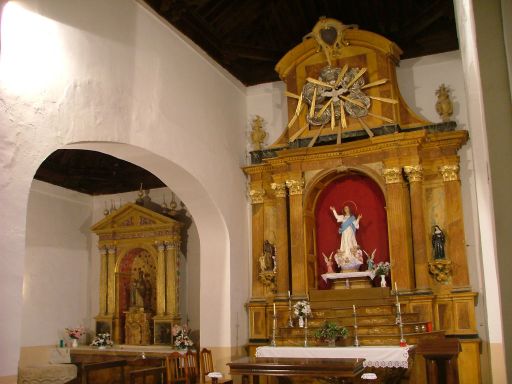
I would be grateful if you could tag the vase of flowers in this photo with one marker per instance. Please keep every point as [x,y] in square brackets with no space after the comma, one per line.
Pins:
[181,336]
[330,331]
[382,270]
[301,310]
[74,334]
[102,340]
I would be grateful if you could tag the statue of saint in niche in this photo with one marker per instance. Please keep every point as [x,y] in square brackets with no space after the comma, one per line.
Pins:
[140,291]
[349,256]
[438,243]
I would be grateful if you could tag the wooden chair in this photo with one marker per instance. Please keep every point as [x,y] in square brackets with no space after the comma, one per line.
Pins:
[158,375]
[104,372]
[192,366]
[207,367]
[177,371]
[441,359]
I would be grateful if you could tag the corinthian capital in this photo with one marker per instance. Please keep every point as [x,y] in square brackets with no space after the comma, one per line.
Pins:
[450,172]
[279,189]
[295,186]
[392,175]
[256,196]
[414,173]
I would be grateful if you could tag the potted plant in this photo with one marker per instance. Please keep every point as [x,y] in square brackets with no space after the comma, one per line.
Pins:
[382,270]
[302,310]
[330,331]
[75,334]
[181,336]
[102,340]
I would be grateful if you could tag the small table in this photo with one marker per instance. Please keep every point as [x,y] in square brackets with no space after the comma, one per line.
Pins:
[345,369]
[348,280]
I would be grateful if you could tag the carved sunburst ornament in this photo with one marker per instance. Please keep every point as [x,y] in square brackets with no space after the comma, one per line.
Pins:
[337,95]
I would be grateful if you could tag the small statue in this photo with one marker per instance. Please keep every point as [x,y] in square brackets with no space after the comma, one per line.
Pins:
[258,134]
[329,262]
[444,106]
[438,243]
[370,260]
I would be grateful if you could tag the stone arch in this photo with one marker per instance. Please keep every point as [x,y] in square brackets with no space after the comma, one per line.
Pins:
[212,231]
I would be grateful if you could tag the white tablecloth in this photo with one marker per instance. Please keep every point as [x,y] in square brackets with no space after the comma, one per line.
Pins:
[377,357]
[346,275]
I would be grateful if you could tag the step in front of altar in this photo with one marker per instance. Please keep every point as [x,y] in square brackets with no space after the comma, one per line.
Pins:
[329,298]
[364,340]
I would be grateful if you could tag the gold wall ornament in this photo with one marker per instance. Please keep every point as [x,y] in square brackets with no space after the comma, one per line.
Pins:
[392,175]
[450,172]
[279,189]
[441,269]
[257,196]
[329,35]
[414,173]
[444,105]
[295,186]
[343,78]
[258,134]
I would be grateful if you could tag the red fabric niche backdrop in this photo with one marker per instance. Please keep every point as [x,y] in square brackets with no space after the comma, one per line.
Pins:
[369,202]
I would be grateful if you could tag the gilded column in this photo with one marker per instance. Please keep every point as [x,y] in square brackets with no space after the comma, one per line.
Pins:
[454,225]
[283,268]
[415,176]
[256,195]
[160,280]
[298,258]
[103,280]
[399,230]
[171,278]
[111,279]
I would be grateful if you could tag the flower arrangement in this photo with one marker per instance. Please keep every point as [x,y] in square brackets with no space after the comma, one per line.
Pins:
[75,333]
[330,331]
[382,268]
[181,337]
[302,309]
[102,340]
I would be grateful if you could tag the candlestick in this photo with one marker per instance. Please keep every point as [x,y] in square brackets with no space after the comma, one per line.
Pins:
[274,309]
[356,339]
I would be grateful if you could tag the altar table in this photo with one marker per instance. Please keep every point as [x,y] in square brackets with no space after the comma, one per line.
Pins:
[376,357]
[345,280]
[346,370]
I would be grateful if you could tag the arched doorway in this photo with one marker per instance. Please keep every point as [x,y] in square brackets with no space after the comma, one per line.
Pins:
[210,227]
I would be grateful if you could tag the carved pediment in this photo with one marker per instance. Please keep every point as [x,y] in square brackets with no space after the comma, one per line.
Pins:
[134,218]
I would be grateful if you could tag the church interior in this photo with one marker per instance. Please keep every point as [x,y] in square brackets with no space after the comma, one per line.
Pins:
[266,180]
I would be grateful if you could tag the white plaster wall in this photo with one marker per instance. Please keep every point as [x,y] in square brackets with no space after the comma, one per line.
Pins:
[55,289]
[96,71]
[268,101]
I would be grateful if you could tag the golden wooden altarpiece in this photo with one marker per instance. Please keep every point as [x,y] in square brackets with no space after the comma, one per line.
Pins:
[414,162]
[139,280]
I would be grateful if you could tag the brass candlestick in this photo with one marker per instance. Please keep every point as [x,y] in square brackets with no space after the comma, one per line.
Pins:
[356,339]
[306,332]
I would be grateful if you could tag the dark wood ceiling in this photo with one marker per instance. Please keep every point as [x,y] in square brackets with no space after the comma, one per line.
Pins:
[248,37]
[94,173]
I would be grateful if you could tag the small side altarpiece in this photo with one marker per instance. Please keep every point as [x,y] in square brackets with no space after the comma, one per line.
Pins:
[139,279]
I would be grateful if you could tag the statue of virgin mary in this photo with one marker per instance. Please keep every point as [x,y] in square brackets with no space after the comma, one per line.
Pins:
[349,252]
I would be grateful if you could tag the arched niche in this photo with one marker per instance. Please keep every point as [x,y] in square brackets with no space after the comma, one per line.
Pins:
[362,189]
